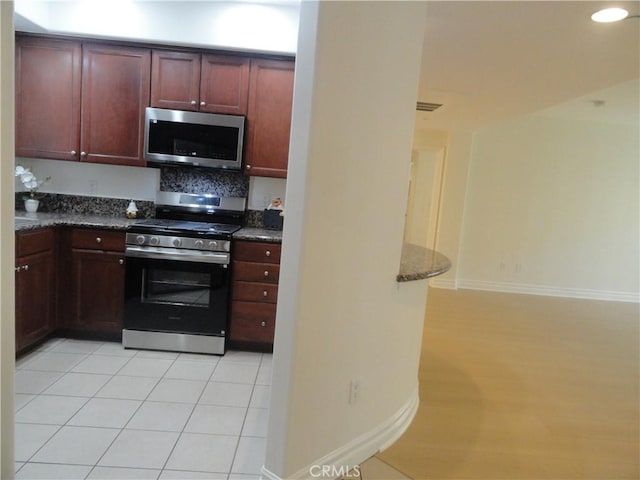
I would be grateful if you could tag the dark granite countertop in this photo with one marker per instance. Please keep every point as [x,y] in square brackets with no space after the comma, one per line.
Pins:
[418,263]
[33,221]
[258,235]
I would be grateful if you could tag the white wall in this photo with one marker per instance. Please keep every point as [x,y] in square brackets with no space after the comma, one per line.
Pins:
[262,190]
[216,24]
[553,208]
[92,179]
[7,292]
[341,314]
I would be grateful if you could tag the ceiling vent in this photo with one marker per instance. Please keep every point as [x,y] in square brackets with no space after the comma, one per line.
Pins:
[427,107]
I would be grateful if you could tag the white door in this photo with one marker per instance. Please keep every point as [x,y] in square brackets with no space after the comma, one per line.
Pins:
[421,223]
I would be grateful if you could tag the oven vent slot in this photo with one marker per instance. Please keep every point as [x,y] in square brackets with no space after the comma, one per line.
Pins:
[427,107]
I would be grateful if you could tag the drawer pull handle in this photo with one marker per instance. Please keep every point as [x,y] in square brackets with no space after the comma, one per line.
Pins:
[265,293]
[263,324]
[98,239]
[266,273]
[267,253]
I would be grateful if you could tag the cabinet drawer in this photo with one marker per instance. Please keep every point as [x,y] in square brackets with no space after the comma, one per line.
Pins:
[253,322]
[28,243]
[257,252]
[256,272]
[255,292]
[97,239]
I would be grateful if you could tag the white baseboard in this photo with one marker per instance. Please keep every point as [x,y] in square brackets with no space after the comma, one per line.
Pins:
[361,448]
[550,291]
[437,282]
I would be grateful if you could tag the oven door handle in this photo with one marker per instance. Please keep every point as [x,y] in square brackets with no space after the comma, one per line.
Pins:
[177,254]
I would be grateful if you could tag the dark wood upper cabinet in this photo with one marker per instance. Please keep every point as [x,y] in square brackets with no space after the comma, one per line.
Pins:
[175,80]
[269,117]
[48,78]
[86,101]
[206,83]
[115,93]
[224,84]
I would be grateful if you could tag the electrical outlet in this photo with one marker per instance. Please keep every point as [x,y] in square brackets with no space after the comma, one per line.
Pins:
[354,391]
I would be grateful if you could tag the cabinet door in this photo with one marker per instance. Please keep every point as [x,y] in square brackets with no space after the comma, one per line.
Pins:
[253,322]
[35,297]
[269,118]
[98,290]
[115,92]
[224,85]
[175,80]
[48,81]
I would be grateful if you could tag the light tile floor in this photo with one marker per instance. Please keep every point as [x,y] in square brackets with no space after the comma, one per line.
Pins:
[92,410]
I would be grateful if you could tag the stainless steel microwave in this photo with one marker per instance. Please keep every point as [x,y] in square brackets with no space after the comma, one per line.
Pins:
[193,138]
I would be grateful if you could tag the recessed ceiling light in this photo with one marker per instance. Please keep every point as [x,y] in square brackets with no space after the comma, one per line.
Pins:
[609,15]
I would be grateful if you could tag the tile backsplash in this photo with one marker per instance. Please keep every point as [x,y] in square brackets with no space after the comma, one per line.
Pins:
[204,180]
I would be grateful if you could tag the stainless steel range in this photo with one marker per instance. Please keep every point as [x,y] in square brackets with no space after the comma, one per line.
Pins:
[177,273]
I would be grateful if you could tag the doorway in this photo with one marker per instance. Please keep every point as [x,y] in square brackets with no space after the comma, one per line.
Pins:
[423,206]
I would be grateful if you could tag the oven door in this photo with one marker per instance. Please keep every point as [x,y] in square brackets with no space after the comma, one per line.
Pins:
[176,296]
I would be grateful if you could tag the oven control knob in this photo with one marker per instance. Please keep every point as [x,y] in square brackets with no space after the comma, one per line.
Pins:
[213,245]
[199,243]
[140,239]
[154,241]
[177,242]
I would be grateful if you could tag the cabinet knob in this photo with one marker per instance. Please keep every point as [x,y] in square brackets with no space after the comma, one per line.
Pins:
[263,324]
[248,167]
[83,154]
[265,293]
[25,268]
[17,269]
[267,253]
[266,273]
[193,102]
[98,239]
[121,261]
[73,152]
[202,104]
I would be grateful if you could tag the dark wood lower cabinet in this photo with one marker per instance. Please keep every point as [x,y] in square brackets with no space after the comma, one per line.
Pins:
[98,290]
[35,287]
[256,268]
[253,322]
[92,273]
